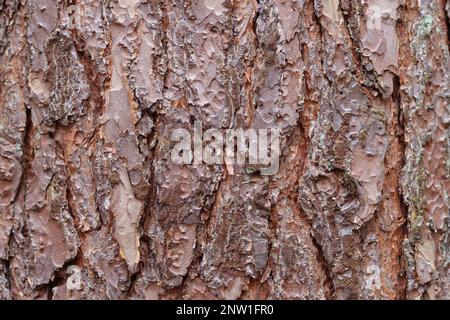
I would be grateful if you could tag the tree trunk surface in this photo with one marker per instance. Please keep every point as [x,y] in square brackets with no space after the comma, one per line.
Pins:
[92,207]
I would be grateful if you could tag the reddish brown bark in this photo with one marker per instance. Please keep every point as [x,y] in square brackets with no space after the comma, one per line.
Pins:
[92,207]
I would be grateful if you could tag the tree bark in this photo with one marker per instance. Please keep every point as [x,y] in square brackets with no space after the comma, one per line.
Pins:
[91,206]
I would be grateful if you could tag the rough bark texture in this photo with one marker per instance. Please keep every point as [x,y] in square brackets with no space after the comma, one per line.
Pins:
[91,207]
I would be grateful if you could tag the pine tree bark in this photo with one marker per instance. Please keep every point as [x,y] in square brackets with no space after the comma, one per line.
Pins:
[91,207]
